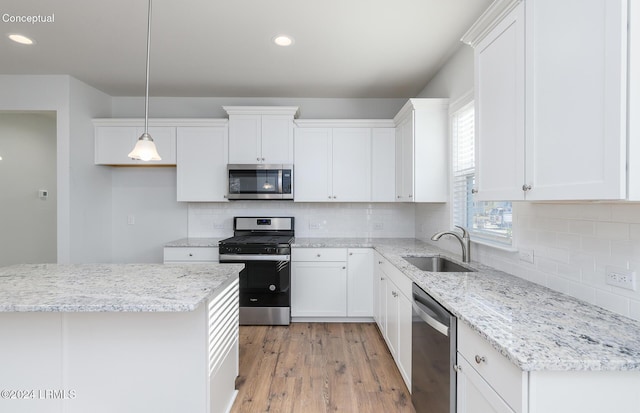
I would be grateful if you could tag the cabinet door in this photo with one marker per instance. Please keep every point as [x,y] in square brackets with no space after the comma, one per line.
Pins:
[277,139]
[113,143]
[378,293]
[474,395]
[403,358]
[383,165]
[202,164]
[499,105]
[312,169]
[351,165]
[318,289]
[244,139]
[360,282]
[392,328]
[404,160]
[576,99]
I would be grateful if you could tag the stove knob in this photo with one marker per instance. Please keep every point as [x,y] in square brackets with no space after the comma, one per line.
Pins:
[272,287]
[271,250]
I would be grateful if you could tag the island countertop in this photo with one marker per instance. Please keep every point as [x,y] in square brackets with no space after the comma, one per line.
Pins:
[110,287]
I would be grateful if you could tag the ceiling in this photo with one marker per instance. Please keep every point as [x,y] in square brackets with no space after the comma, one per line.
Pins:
[342,48]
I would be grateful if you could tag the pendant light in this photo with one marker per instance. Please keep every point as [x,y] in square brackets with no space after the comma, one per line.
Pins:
[145,149]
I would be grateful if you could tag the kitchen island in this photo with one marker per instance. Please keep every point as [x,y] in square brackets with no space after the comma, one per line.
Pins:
[118,337]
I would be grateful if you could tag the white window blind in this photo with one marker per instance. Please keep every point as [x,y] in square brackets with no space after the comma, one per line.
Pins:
[486,221]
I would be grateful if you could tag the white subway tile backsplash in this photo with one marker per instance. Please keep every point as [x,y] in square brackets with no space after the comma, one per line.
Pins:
[612,230]
[573,243]
[596,246]
[215,220]
[613,302]
[582,227]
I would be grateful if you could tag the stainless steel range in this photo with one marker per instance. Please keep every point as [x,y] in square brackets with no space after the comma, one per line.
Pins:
[263,245]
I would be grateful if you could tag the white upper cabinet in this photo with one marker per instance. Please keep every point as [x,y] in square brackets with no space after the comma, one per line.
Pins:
[115,138]
[634,101]
[261,134]
[551,91]
[421,151]
[499,106]
[383,165]
[335,161]
[202,163]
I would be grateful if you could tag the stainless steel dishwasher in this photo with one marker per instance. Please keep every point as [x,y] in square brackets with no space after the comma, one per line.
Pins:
[433,355]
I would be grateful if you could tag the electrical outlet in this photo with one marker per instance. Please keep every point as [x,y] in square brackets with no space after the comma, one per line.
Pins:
[314,225]
[526,255]
[621,278]
[378,226]
[131,219]
[218,225]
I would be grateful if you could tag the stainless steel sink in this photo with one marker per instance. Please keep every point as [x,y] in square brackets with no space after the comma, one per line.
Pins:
[436,264]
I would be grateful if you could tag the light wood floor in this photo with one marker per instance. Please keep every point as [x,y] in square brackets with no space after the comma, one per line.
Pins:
[318,367]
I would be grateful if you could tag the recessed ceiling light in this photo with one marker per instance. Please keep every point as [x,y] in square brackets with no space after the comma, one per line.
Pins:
[18,38]
[283,40]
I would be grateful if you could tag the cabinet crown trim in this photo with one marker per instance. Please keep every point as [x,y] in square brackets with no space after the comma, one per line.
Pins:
[168,122]
[488,20]
[344,123]
[420,103]
[261,110]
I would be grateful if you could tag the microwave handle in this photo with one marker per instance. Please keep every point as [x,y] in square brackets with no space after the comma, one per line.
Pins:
[280,189]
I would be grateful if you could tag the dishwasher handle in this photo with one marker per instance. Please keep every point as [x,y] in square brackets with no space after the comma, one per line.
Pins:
[437,325]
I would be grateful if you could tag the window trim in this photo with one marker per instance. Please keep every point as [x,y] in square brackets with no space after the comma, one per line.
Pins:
[459,104]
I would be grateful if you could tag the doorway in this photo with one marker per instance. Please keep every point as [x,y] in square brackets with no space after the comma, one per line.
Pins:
[28,187]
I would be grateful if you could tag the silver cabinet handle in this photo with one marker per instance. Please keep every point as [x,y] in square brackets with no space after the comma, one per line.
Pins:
[474,191]
[191,254]
[263,159]
[394,294]
[410,196]
[457,368]
[526,187]
[329,196]
[334,197]
[257,159]
[398,196]
[351,253]
[480,359]
[344,268]
[318,255]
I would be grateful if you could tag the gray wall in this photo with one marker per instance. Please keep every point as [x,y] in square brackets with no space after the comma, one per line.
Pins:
[27,223]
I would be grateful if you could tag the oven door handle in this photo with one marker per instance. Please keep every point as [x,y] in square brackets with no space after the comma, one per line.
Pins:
[241,257]
[437,325]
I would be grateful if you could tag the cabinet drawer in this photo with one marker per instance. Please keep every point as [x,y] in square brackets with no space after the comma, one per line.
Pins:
[319,254]
[190,254]
[503,376]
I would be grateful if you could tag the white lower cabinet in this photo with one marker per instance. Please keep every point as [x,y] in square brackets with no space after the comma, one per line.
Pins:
[474,393]
[360,282]
[332,282]
[319,282]
[393,313]
[488,382]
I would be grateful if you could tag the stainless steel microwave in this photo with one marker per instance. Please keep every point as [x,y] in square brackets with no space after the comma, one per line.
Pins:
[260,181]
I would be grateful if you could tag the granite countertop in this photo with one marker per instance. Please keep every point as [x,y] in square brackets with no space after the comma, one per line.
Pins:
[193,242]
[533,326]
[110,287]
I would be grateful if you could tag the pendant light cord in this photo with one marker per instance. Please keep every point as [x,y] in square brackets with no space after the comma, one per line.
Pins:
[146,99]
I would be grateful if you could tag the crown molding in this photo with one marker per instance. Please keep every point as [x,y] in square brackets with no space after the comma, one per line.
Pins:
[160,122]
[344,123]
[488,20]
[261,110]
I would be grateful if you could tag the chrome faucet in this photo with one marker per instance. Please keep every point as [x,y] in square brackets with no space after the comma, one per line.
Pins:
[464,240]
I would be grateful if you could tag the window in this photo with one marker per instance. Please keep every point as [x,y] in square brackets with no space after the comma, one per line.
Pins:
[486,221]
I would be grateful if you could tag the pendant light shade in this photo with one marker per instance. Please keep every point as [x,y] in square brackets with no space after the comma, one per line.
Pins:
[145,149]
